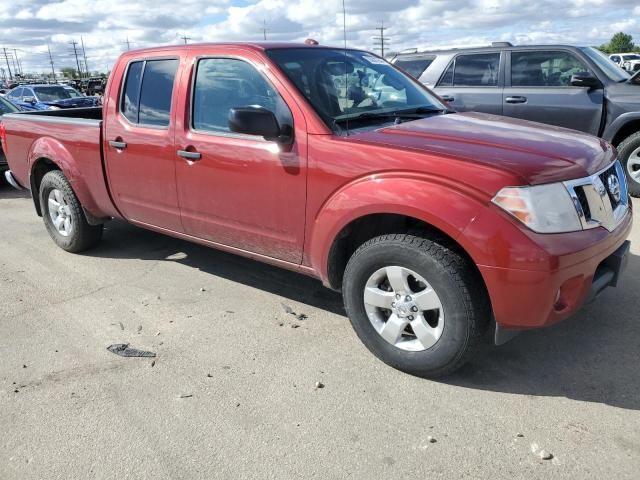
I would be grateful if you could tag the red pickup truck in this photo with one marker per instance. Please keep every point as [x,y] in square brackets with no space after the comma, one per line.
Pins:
[435,225]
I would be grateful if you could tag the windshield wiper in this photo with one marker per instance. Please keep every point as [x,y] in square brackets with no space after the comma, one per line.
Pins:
[417,112]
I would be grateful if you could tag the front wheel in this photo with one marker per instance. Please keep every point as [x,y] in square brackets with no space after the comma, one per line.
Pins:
[629,151]
[63,215]
[416,304]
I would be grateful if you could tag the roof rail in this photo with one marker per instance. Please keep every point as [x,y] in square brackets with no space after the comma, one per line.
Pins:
[501,44]
[409,50]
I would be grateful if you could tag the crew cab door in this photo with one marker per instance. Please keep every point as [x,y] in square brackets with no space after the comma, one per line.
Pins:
[538,88]
[138,143]
[473,82]
[234,189]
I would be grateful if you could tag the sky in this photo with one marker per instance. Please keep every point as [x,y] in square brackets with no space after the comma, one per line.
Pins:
[28,26]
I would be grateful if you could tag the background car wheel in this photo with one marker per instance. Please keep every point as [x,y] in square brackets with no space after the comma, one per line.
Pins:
[63,215]
[417,304]
[629,151]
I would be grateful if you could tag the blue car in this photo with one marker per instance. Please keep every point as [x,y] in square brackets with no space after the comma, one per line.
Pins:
[49,97]
[5,107]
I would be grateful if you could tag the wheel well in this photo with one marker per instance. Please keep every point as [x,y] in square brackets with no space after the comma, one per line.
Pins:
[40,168]
[365,228]
[627,130]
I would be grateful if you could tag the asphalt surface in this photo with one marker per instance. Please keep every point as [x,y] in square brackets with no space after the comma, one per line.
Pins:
[232,393]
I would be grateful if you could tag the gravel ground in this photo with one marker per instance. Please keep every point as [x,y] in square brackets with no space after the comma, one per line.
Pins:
[232,393]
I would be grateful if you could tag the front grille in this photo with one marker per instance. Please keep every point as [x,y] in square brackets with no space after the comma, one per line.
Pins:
[602,199]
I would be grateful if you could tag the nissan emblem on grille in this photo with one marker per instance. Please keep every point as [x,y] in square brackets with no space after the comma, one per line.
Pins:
[614,187]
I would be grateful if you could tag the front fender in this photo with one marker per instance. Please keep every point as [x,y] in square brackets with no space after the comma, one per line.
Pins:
[443,204]
[611,131]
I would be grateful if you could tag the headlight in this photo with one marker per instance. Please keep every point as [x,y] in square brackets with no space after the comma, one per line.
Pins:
[53,107]
[542,208]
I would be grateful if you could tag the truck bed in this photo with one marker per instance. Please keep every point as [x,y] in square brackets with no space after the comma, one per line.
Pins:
[65,134]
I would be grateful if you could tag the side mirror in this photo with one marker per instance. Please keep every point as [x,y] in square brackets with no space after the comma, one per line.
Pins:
[585,79]
[31,100]
[257,121]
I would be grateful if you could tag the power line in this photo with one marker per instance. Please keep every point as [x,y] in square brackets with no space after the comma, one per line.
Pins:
[380,40]
[53,70]
[128,44]
[185,38]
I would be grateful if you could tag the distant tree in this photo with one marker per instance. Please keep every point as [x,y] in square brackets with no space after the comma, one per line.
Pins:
[619,43]
[69,72]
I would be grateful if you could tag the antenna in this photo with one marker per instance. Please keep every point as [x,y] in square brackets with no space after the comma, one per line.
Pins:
[346,73]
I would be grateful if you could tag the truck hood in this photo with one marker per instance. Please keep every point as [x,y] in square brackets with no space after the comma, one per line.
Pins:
[534,152]
[76,102]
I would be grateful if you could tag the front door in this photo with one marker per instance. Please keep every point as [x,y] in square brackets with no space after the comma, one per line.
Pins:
[240,190]
[539,89]
[138,145]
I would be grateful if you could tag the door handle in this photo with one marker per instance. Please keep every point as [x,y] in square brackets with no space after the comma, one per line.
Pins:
[447,98]
[192,156]
[516,99]
[119,145]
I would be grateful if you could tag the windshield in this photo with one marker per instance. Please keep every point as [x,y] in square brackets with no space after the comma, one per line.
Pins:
[74,93]
[51,94]
[7,107]
[610,69]
[630,57]
[343,85]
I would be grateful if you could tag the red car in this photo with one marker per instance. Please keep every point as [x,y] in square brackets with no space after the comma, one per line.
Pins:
[435,225]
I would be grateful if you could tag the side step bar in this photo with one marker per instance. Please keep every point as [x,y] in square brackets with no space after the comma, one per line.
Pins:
[12,180]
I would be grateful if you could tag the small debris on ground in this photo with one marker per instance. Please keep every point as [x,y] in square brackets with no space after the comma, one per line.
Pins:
[226,367]
[157,333]
[230,311]
[544,455]
[24,366]
[519,435]
[139,329]
[186,395]
[209,375]
[281,324]
[319,385]
[202,289]
[124,350]
[295,325]
[288,310]
[153,364]
[430,439]
[237,404]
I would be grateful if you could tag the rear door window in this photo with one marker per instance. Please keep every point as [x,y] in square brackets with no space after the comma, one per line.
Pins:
[473,70]
[148,92]
[415,66]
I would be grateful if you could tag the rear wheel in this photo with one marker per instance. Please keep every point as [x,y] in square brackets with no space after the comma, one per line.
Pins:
[629,151]
[417,304]
[63,215]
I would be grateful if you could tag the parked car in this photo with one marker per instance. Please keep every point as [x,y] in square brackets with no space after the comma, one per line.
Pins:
[48,97]
[572,87]
[628,61]
[431,223]
[5,107]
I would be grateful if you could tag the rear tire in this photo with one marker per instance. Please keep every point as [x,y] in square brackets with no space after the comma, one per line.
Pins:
[441,299]
[629,151]
[63,215]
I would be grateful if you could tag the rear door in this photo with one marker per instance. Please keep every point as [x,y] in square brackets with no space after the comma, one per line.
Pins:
[139,136]
[473,82]
[234,189]
[538,88]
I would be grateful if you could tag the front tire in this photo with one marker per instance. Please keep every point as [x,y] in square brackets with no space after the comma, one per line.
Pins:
[416,304]
[63,215]
[629,151]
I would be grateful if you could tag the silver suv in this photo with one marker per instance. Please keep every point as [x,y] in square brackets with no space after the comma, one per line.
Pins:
[572,87]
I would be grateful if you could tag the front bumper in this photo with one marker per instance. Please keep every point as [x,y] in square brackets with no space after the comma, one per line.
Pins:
[552,284]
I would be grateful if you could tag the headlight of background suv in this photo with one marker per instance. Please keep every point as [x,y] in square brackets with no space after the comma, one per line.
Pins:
[542,208]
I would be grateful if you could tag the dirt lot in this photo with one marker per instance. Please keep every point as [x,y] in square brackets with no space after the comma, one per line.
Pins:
[231,394]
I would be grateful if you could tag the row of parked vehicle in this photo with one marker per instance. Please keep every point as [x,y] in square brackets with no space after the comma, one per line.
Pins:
[567,86]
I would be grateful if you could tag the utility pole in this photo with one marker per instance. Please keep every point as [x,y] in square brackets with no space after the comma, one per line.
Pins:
[53,70]
[75,52]
[6,58]
[264,29]
[84,54]
[380,40]
[185,38]
[128,44]
[15,54]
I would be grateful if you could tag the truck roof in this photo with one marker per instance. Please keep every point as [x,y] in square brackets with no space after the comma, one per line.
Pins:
[418,51]
[251,45]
